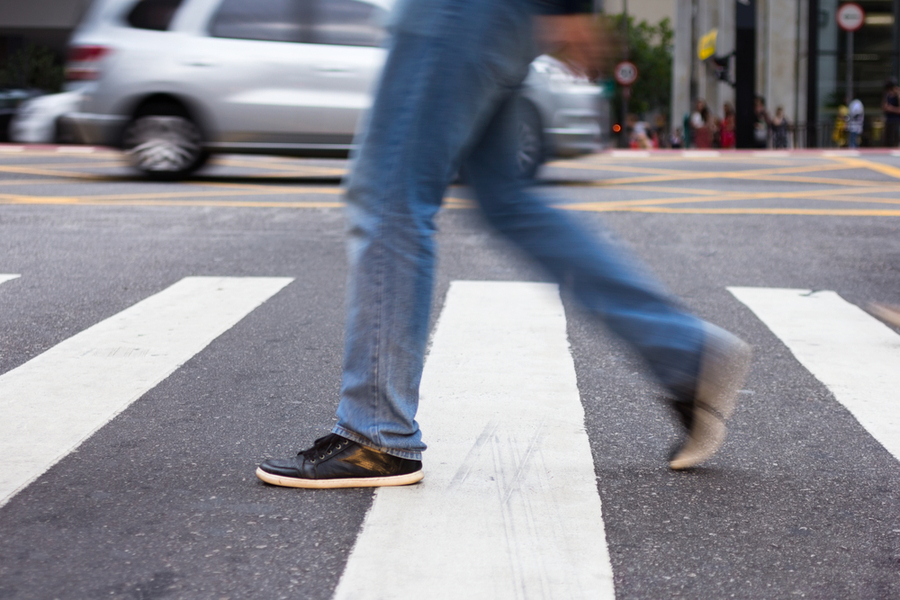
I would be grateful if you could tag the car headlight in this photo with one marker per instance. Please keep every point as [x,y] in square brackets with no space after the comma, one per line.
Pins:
[558,73]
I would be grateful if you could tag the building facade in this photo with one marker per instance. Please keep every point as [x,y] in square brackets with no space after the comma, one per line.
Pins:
[45,22]
[802,61]
[652,11]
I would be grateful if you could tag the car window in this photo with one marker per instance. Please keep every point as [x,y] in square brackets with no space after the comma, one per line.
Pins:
[272,20]
[153,14]
[348,23]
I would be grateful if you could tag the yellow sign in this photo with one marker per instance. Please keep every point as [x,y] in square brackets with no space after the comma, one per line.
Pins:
[707,46]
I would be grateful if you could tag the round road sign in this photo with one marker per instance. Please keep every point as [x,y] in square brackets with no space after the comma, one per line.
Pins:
[626,73]
[850,16]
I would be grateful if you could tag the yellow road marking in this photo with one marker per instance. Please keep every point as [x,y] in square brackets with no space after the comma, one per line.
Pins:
[286,166]
[861,199]
[59,200]
[26,170]
[150,196]
[761,211]
[70,165]
[773,175]
[52,170]
[264,188]
[211,193]
[31,182]
[660,188]
[679,172]
[18,153]
[454,203]
[858,163]
[198,194]
[722,197]
[820,181]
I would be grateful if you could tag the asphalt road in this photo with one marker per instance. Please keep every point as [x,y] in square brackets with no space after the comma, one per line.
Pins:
[161,502]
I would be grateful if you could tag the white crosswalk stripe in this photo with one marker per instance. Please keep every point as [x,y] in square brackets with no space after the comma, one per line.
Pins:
[853,354]
[509,507]
[52,403]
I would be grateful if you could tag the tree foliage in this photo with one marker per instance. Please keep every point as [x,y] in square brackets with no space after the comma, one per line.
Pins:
[35,67]
[650,49]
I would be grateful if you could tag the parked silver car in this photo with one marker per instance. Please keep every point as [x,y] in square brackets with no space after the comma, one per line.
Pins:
[37,120]
[173,81]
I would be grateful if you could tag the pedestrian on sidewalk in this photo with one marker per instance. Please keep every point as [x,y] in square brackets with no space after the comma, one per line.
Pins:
[780,127]
[761,123]
[891,107]
[856,115]
[703,125]
[448,102]
[727,135]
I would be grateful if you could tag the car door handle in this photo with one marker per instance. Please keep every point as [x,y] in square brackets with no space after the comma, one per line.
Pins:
[332,70]
[200,63]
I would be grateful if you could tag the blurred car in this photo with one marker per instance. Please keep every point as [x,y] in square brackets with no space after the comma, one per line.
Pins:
[38,121]
[173,81]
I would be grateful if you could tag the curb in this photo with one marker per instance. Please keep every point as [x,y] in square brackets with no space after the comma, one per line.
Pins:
[814,152]
[57,148]
[614,153]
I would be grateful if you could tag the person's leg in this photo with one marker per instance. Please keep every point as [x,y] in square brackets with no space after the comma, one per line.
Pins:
[892,133]
[611,285]
[451,63]
[701,365]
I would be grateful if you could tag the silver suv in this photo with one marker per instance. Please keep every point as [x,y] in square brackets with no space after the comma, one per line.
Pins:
[174,81]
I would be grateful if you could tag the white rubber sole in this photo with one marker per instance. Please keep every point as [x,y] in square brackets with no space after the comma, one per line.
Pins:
[321,484]
[887,313]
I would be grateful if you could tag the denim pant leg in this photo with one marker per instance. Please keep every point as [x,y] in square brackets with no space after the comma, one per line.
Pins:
[448,69]
[610,284]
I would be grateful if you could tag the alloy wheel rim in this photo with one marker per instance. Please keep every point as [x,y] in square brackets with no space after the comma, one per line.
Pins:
[163,143]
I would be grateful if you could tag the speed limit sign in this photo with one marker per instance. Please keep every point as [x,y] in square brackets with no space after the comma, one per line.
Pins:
[626,73]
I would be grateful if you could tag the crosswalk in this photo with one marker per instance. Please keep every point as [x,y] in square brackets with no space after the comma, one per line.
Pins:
[509,469]
[853,354]
[55,401]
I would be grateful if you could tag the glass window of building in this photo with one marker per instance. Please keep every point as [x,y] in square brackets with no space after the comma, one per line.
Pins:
[874,60]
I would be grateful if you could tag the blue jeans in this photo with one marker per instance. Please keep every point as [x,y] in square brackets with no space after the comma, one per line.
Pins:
[447,101]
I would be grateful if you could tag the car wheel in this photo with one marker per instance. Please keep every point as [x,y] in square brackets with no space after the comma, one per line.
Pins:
[530,153]
[164,146]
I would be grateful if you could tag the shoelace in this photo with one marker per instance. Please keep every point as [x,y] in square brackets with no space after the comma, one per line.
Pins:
[324,447]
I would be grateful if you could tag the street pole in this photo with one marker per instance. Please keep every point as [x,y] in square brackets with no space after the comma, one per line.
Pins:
[812,75]
[745,71]
[849,68]
[626,91]
[896,71]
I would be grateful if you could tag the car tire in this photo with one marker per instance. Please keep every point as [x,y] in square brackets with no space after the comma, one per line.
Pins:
[164,143]
[531,150]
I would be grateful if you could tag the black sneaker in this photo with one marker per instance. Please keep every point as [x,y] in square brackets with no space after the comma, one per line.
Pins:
[336,462]
[723,369]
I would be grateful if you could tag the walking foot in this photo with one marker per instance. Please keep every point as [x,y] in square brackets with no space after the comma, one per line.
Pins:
[723,370]
[336,462]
